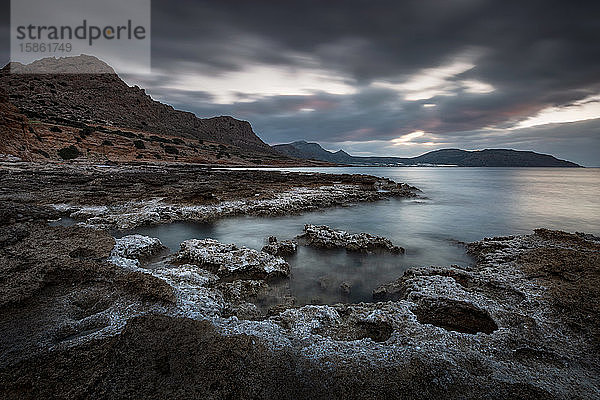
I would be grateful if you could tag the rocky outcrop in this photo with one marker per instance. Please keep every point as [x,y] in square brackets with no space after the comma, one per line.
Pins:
[103,98]
[16,134]
[328,238]
[231,262]
[521,322]
[137,247]
[280,248]
[127,196]
[130,250]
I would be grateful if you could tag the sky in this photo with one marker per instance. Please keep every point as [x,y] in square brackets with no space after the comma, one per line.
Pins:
[388,78]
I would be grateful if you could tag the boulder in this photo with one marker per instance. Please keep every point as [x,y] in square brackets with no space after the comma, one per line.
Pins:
[129,250]
[231,262]
[325,237]
[346,287]
[283,248]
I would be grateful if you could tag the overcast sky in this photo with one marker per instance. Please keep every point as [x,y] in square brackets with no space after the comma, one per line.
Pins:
[386,77]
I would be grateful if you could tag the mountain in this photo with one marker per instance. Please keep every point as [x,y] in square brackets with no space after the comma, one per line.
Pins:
[102,98]
[461,158]
[27,139]
[313,151]
[492,158]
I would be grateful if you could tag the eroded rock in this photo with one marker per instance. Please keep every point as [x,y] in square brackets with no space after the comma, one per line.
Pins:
[455,315]
[130,250]
[164,193]
[229,261]
[280,248]
[520,322]
[328,238]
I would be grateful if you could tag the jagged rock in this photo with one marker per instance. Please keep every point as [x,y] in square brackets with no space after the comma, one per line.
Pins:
[328,238]
[130,250]
[283,248]
[196,298]
[232,262]
[346,287]
[137,246]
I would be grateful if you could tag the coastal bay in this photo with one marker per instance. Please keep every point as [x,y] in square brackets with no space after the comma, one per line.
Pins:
[498,309]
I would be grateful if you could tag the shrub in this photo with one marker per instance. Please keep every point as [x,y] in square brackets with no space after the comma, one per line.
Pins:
[155,138]
[69,153]
[107,143]
[55,129]
[139,144]
[86,130]
[129,135]
[171,150]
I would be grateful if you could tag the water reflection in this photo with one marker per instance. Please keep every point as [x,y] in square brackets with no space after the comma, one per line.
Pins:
[317,275]
[464,204]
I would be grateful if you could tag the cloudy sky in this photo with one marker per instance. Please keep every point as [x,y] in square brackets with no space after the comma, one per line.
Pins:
[386,77]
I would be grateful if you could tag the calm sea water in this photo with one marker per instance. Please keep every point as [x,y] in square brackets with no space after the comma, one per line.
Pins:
[464,204]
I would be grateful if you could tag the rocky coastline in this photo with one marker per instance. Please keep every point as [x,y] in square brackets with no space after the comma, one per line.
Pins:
[85,315]
[128,196]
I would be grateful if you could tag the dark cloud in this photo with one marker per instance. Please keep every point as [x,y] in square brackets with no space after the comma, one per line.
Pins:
[534,54]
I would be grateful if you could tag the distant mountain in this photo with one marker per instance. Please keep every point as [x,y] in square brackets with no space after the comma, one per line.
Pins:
[461,158]
[313,151]
[102,98]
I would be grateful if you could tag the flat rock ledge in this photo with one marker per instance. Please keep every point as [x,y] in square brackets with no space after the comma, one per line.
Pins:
[230,261]
[327,238]
[127,196]
[522,322]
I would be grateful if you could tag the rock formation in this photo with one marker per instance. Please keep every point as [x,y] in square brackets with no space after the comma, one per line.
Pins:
[521,323]
[102,98]
[16,133]
[230,261]
[328,238]
[280,248]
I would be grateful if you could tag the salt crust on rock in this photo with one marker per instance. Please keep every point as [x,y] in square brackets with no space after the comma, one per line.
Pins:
[230,261]
[155,211]
[328,238]
[495,318]
[130,249]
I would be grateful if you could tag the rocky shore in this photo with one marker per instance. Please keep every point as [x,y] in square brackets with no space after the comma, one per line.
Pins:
[127,196]
[85,315]
[328,238]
